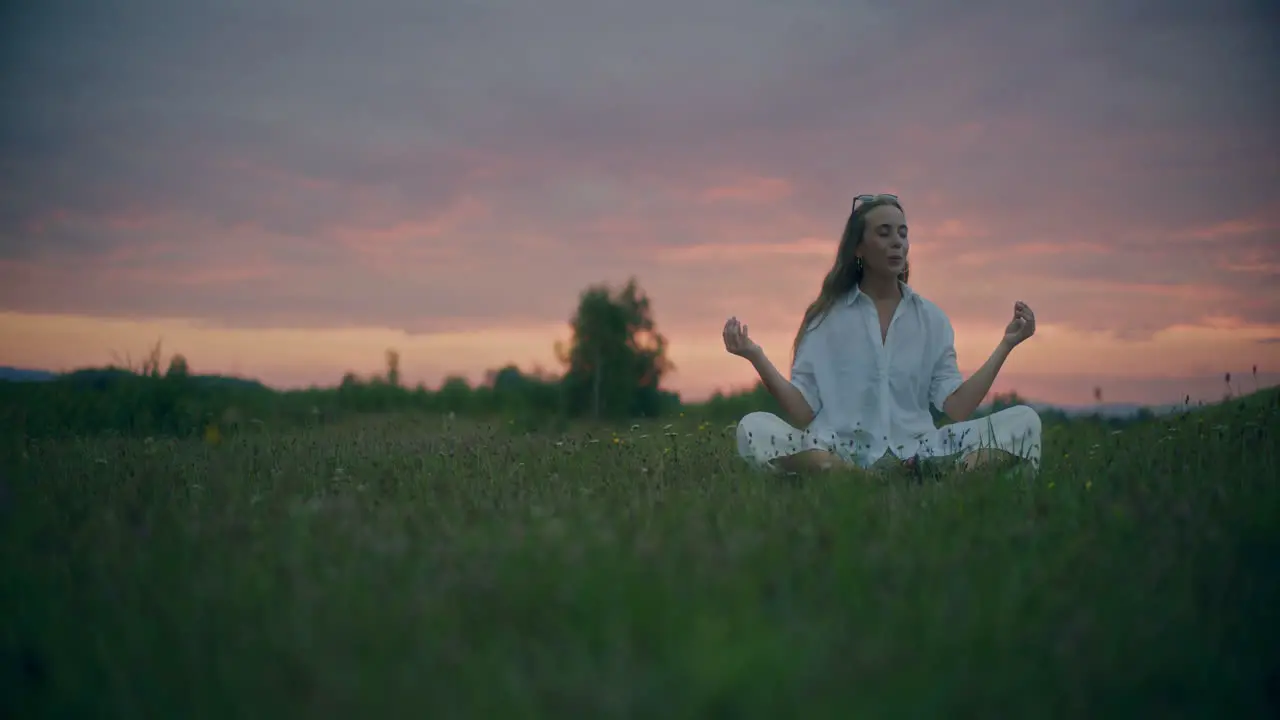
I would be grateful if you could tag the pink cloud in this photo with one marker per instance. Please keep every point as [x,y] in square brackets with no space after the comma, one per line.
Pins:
[1059,248]
[1231,228]
[949,229]
[749,189]
[743,252]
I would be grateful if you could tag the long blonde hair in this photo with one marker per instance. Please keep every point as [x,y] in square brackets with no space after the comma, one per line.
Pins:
[845,274]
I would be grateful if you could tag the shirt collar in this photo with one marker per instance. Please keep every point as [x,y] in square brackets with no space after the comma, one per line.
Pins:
[907,293]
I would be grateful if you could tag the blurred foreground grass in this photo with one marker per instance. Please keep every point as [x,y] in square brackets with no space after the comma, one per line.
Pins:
[396,566]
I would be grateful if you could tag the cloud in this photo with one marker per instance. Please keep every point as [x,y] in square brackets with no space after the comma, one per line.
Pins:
[442,166]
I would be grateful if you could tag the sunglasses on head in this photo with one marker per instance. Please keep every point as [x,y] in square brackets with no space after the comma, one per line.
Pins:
[863,199]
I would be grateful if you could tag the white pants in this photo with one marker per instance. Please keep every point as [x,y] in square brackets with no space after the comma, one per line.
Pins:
[763,437]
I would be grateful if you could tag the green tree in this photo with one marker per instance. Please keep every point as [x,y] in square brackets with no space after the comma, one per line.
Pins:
[1002,401]
[393,368]
[178,367]
[617,358]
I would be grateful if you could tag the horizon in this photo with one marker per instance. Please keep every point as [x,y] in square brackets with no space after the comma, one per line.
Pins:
[1209,391]
[284,191]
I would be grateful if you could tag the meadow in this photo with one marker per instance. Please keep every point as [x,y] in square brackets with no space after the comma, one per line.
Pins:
[428,565]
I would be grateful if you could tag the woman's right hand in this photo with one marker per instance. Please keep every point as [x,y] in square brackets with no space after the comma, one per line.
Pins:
[737,342]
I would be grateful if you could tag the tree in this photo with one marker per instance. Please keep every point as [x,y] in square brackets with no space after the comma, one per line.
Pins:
[617,358]
[1002,401]
[178,367]
[393,368]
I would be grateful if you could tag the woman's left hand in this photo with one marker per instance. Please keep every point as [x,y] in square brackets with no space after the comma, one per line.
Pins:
[1021,327]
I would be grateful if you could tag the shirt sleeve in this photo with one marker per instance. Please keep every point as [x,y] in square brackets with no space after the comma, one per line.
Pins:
[946,373]
[804,375]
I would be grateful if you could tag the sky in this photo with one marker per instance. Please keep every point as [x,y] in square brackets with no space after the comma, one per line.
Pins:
[284,189]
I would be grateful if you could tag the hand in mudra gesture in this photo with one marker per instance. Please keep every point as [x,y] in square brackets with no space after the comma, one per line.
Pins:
[1022,326]
[736,340]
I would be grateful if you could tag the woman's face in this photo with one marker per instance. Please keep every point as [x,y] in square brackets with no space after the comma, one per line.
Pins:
[884,241]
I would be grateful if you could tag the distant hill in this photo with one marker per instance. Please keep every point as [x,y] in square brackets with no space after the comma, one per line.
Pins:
[1106,410]
[95,375]
[13,374]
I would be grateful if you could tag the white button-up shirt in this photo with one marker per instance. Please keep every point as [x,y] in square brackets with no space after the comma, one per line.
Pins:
[875,395]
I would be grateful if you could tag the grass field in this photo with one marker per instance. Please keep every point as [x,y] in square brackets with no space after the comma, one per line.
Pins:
[399,567]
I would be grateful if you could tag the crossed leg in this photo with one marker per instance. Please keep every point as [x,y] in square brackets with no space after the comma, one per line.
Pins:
[766,440]
[1008,436]
[814,460]
[1005,438]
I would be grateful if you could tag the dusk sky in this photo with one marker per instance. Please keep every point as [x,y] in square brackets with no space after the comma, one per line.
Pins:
[283,189]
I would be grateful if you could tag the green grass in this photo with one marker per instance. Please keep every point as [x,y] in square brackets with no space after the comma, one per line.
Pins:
[394,566]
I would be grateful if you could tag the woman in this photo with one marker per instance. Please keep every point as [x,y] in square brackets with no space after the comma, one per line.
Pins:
[869,358]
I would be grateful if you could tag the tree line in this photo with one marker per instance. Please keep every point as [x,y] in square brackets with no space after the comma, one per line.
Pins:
[613,368]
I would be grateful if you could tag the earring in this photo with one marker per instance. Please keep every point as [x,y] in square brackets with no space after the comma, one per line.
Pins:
[857,263]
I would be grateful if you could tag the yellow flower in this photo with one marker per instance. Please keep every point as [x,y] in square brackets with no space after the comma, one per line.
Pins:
[212,435]
[616,441]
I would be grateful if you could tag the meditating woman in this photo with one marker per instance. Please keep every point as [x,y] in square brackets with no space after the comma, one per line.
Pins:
[870,356]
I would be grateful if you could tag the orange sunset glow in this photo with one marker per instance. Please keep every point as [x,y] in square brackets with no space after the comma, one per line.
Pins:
[284,191]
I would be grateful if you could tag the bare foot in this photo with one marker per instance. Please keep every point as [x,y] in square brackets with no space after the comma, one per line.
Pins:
[815,461]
